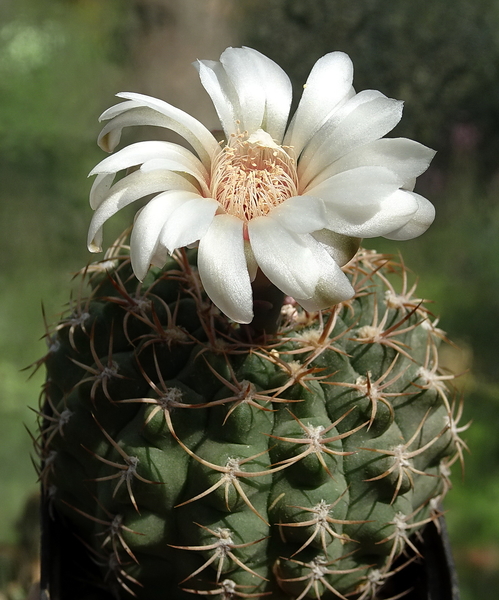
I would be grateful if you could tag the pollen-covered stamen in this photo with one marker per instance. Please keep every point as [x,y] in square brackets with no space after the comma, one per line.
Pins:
[252,175]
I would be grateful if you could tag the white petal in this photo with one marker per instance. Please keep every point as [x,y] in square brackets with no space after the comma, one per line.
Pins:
[128,190]
[366,123]
[263,88]
[376,220]
[141,152]
[301,214]
[132,115]
[278,95]
[250,260]
[100,189]
[147,228]
[245,72]
[419,222]
[117,109]
[406,158]
[222,93]
[249,91]
[352,191]
[333,286]
[284,257]
[341,248]
[222,268]
[188,223]
[160,256]
[410,184]
[122,115]
[165,164]
[352,102]
[329,292]
[327,85]
[146,110]
[153,155]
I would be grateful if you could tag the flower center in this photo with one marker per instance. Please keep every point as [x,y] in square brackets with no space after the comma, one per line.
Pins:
[252,175]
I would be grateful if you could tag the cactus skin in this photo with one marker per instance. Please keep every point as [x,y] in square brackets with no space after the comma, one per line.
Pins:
[192,461]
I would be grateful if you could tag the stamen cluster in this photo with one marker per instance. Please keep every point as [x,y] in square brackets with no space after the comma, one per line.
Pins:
[250,178]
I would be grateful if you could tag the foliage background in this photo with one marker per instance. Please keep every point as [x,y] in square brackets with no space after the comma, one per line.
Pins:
[61,61]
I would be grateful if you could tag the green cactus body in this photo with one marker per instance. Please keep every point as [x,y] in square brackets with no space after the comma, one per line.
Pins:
[192,461]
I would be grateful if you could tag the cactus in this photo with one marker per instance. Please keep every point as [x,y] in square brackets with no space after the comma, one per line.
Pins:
[192,458]
[262,412]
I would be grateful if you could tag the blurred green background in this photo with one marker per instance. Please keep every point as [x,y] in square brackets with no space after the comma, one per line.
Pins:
[61,61]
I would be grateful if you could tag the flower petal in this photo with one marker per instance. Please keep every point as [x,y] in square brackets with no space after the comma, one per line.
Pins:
[245,73]
[148,225]
[127,190]
[367,122]
[249,91]
[278,94]
[301,214]
[406,158]
[352,102]
[152,156]
[341,248]
[142,152]
[328,84]
[284,257]
[333,286]
[188,223]
[165,164]
[131,115]
[419,222]
[250,260]
[263,88]
[222,268]
[145,110]
[216,82]
[354,190]
[100,189]
[389,214]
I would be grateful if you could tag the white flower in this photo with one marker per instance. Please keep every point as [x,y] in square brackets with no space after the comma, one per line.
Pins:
[292,200]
